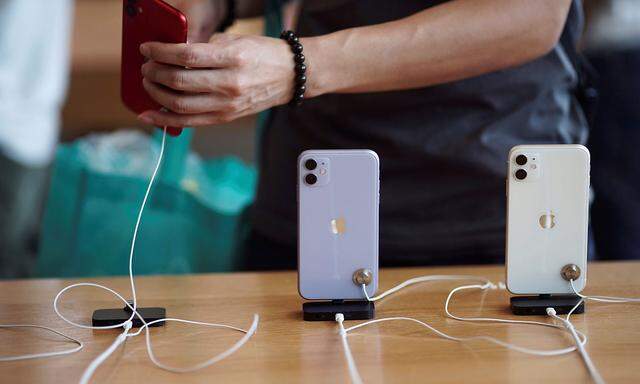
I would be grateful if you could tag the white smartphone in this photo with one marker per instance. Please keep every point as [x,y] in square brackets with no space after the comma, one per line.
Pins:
[547,217]
[338,196]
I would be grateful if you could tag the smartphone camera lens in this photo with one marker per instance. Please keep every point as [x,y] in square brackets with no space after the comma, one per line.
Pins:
[521,159]
[310,179]
[310,164]
[521,174]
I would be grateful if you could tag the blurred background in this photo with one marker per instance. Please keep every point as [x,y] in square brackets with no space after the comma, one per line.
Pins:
[71,212]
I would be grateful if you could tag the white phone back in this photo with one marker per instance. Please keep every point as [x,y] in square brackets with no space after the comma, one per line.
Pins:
[547,218]
[337,223]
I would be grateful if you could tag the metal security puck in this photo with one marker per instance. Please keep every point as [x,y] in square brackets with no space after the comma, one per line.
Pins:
[362,276]
[570,272]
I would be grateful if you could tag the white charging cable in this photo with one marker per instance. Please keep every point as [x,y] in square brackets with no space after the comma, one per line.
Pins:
[487,285]
[221,356]
[593,371]
[604,299]
[353,369]
[554,352]
[89,371]
[421,279]
[597,378]
[43,354]
[579,337]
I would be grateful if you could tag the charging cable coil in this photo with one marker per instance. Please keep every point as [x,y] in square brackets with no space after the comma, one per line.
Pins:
[127,324]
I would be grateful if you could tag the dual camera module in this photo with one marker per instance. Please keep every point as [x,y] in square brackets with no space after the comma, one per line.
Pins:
[521,160]
[310,178]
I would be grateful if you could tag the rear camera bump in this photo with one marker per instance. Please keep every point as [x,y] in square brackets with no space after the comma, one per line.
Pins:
[310,179]
[310,164]
[521,159]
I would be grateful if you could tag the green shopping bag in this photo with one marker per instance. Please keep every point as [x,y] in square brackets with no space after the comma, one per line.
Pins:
[98,183]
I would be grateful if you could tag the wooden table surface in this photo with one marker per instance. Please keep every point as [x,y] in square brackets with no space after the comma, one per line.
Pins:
[289,350]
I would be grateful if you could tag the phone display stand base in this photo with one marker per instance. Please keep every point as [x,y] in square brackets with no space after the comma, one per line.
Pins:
[537,305]
[327,310]
[113,316]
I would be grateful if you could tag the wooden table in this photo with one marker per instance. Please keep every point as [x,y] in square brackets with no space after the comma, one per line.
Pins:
[289,350]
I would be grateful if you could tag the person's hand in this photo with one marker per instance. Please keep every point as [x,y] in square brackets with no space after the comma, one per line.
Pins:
[216,82]
[203,17]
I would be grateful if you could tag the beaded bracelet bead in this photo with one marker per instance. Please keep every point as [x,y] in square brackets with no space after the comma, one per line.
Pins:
[300,67]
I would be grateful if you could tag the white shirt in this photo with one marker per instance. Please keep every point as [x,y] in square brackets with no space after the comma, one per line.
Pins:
[34,57]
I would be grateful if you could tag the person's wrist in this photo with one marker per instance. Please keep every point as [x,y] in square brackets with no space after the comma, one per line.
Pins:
[299,67]
[319,80]
[287,65]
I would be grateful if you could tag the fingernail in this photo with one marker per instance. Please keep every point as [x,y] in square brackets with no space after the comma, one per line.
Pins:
[145,118]
[144,49]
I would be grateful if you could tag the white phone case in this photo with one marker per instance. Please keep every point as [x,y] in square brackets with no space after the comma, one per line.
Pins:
[547,218]
[337,223]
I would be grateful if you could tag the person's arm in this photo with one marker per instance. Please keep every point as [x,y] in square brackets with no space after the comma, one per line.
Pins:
[234,76]
[453,41]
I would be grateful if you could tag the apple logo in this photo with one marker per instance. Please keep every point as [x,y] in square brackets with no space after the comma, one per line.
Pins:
[338,226]
[547,221]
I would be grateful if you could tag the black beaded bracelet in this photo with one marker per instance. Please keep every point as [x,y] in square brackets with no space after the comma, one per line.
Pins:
[300,68]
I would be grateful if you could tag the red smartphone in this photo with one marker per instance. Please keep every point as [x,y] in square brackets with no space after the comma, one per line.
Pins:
[144,21]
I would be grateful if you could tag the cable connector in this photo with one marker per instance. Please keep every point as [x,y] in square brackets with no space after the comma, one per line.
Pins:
[494,286]
[340,320]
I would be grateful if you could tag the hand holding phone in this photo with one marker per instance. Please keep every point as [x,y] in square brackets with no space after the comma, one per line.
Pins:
[144,21]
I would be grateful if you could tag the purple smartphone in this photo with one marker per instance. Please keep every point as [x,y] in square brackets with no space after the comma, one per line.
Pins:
[338,196]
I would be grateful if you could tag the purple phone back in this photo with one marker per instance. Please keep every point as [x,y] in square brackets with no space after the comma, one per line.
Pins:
[337,223]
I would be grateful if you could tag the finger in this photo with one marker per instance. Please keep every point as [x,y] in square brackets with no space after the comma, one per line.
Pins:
[167,118]
[186,103]
[200,55]
[182,79]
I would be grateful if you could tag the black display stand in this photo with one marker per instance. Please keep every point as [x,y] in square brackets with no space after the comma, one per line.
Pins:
[113,316]
[327,310]
[537,305]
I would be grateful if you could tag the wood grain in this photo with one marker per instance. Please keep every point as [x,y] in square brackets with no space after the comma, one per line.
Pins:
[289,350]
